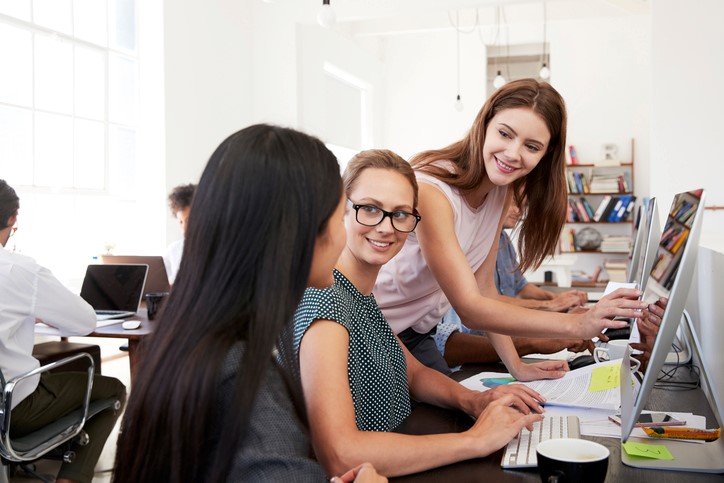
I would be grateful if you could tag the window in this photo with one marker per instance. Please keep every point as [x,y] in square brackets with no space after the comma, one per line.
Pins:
[68,121]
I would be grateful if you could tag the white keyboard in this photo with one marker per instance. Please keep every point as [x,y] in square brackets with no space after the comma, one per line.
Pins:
[520,452]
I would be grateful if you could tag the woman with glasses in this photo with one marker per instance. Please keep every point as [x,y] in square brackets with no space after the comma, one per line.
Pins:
[517,140]
[357,378]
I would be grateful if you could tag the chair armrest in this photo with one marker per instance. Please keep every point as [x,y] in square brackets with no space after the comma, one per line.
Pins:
[6,409]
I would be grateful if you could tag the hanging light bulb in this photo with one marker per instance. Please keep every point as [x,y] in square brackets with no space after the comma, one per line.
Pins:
[326,16]
[458,104]
[499,80]
[544,72]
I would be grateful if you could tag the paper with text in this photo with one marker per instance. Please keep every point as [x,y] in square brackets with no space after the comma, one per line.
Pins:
[578,388]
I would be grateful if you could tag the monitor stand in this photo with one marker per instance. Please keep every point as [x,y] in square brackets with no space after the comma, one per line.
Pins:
[695,457]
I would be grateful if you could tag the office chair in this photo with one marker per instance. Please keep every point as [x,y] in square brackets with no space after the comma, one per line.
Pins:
[58,436]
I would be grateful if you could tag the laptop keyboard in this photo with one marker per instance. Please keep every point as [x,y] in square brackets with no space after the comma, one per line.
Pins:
[520,452]
[112,314]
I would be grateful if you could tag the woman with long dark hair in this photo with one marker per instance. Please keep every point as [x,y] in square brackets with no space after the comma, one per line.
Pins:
[210,401]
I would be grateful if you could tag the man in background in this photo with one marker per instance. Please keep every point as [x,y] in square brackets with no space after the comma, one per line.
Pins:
[31,293]
[179,201]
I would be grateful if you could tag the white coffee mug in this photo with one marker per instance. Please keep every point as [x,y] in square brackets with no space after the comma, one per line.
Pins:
[615,350]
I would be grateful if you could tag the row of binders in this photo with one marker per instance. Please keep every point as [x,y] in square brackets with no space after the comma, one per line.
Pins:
[599,184]
[612,209]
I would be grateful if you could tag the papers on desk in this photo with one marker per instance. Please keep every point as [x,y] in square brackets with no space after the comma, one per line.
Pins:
[595,386]
[576,387]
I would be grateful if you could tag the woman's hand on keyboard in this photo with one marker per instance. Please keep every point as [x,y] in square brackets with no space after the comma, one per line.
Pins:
[499,423]
[622,302]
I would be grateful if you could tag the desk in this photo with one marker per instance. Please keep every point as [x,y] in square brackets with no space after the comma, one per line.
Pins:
[426,419]
[116,331]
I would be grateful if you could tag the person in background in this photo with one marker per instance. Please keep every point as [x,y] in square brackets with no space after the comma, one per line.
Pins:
[30,293]
[211,399]
[357,378]
[179,201]
[515,149]
[460,345]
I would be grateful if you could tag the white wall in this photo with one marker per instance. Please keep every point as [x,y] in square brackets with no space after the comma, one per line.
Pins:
[600,66]
[208,83]
[687,101]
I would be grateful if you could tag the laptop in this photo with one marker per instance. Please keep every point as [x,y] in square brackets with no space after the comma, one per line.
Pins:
[157,279]
[114,291]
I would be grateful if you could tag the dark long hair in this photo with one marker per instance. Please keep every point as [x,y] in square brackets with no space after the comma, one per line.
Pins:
[265,195]
[544,187]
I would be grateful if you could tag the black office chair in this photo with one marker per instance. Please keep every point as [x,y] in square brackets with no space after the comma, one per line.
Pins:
[58,437]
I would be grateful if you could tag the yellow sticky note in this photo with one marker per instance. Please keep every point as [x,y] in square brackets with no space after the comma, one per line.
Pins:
[605,377]
[643,450]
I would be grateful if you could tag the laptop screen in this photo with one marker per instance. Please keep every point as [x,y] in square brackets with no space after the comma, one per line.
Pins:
[114,287]
[157,279]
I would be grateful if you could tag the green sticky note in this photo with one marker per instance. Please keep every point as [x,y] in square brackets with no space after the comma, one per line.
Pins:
[651,451]
[605,377]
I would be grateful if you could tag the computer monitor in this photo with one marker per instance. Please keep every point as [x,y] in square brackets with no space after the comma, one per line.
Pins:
[669,277]
[646,242]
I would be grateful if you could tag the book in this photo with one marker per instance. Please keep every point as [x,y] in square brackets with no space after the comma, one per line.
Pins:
[601,208]
[629,208]
[612,212]
[579,182]
[582,211]
[588,208]
[625,201]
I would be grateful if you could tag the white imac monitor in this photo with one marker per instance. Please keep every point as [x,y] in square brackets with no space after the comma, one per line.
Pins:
[670,277]
[646,242]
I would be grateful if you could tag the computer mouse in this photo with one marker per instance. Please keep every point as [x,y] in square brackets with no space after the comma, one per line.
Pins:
[131,324]
[581,361]
[616,334]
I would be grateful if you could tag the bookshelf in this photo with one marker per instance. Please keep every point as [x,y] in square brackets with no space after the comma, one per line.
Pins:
[601,197]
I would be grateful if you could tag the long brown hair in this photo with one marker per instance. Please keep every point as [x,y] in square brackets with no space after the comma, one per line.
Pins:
[544,187]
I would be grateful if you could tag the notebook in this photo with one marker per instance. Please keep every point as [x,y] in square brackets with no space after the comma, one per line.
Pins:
[157,279]
[114,291]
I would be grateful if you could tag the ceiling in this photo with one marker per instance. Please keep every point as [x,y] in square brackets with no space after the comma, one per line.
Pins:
[395,17]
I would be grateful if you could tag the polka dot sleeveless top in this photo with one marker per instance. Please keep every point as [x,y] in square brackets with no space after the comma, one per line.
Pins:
[376,366]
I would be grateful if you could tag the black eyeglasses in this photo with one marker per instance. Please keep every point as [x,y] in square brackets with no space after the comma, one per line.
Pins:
[370,215]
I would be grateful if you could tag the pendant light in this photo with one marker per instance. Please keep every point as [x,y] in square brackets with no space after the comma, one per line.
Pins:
[326,16]
[499,80]
[458,103]
[545,72]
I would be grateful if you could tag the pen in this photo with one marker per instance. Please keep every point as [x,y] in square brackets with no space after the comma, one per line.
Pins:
[678,432]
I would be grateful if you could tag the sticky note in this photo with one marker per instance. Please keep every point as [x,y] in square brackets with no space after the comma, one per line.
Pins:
[652,451]
[605,377]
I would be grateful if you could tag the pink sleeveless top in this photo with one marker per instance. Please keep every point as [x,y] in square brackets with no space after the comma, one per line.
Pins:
[406,289]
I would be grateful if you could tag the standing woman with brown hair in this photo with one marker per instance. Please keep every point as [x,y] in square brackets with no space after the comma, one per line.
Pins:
[517,141]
